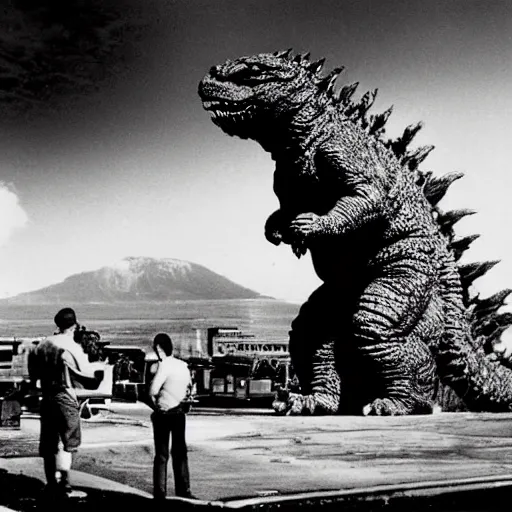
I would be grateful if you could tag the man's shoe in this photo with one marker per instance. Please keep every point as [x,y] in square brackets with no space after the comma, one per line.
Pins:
[51,490]
[64,485]
[67,492]
[75,494]
[53,493]
[160,503]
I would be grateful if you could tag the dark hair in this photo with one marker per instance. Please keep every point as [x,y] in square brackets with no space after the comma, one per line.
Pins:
[89,340]
[65,318]
[163,341]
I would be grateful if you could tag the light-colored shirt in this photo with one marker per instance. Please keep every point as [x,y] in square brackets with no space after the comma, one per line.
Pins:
[79,358]
[170,384]
[45,360]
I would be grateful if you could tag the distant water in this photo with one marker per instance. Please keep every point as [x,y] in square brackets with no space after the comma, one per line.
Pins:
[137,324]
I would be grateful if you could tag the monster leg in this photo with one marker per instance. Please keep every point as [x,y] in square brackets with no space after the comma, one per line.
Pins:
[398,314]
[313,336]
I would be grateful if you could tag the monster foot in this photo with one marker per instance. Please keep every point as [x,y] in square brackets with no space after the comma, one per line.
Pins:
[395,407]
[294,404]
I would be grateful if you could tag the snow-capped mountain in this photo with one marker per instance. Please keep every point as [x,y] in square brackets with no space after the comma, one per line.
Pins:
[135,279]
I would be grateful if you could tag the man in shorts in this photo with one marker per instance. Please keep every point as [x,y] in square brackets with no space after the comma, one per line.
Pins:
[55,363]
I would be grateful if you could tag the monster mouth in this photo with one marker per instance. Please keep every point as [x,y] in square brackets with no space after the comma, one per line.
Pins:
[223,98]
[232,122]
[214,104]
[231,109]
[227,110]
[223,106]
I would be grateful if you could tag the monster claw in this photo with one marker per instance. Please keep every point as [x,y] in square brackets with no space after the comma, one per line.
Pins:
[279,407]
[280,403]
[299,249]
[294,404]
[393,407]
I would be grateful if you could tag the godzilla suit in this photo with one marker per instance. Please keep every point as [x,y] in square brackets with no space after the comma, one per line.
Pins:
[394,328]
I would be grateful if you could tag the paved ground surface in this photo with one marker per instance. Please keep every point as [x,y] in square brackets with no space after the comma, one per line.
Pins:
[248,453]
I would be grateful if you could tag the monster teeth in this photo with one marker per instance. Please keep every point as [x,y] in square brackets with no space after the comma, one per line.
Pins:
[234,118]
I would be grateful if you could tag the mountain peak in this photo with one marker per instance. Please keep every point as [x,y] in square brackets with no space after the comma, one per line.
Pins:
[138,261]
[139,279]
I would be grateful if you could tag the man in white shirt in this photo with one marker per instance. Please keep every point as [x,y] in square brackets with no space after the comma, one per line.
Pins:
[50,364]
[169,388]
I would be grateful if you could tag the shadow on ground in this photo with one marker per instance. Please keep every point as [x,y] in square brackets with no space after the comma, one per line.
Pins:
[23,493]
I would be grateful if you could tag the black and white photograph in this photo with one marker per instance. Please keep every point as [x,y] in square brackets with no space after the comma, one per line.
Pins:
[254,255]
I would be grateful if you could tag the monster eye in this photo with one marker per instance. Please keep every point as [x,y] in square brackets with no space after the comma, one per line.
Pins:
[246,71]
[248,74]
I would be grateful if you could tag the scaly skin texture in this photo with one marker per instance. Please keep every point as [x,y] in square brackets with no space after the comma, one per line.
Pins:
[394,325]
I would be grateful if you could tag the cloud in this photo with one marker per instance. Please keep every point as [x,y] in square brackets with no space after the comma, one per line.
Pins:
[53,50]
[12,215]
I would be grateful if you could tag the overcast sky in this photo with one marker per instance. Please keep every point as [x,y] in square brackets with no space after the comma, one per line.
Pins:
[123,161]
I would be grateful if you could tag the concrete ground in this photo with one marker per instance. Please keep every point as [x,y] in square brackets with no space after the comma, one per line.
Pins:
[247,454]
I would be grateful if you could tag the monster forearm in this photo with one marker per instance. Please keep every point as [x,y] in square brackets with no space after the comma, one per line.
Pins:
[349,214]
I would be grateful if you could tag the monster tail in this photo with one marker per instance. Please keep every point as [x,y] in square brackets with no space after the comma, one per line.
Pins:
[466,360]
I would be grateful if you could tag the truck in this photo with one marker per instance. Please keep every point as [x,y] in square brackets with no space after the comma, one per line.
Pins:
[240,368]
[13,378]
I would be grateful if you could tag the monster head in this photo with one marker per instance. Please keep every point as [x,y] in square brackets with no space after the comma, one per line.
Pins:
[249,95]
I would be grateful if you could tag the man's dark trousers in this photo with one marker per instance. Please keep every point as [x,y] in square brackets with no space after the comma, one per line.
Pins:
[165,424]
